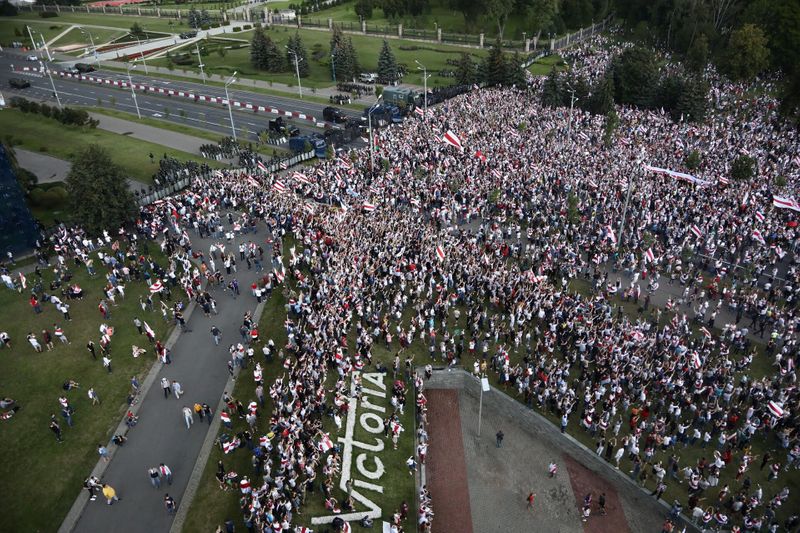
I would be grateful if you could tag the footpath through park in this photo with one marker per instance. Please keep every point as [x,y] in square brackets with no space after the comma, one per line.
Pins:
[161,435]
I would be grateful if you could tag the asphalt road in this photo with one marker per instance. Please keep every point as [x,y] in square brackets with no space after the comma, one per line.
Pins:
[207,116]
[161,435]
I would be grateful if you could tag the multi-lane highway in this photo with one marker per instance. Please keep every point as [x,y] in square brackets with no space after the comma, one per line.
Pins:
[181,110]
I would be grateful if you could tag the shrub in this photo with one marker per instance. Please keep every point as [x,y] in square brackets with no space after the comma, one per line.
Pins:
[692,160]
[36,196]
[236,28]
[48,14]
[743,167]
[51,199]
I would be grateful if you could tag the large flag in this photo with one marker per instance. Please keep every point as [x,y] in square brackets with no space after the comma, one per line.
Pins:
[278,186]
[678,175]
[440,253]
[453,140]
[325,444]
[694,229]
[782,202]
[156,286]
[368,207]
[149,330]
[262,167]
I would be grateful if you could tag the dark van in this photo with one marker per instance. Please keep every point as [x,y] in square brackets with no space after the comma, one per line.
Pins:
[19,83]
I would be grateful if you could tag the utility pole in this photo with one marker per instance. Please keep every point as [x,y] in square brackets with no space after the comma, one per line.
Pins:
[141,54]
[30,34]
[371,141]
[52,83]
[133,93]
[297,70]
[200,62]
[230,105]
[639,163]
[333,64]
[425,84]
[91,40]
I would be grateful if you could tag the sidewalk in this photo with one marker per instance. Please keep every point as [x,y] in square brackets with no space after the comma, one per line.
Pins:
[161,434]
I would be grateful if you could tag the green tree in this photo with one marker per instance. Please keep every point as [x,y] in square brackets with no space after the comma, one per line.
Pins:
[363,9]
[98,191]
[515,74]
[355,68]
[494,66]
[747,53]
[387,64]
[602,100]
[610,127]
[790,98]
[295,46]
[692,104]
[258,49]
[193,18]
[551,90]
[465,70]
[470,9]
[498,12]
[273,58]
[7,9]
[342,65]
[136,29]
[692,161]
[697,56]
[635,75]
[743,167]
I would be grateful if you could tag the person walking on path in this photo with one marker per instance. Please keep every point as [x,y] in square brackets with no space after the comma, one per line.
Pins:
[177,389]
[138,324]
[110,494]
[103,452]
[165,472]
[601,503]
[55,428]
[552,469]
[93,396]
[216,334]
[90,349]
[166,386]
[169,503]
[187,417]
[530,499]
[155,477]
[499,437]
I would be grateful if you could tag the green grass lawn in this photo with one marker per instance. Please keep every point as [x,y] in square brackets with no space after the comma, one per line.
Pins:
[33,457]
[40,134]
[212,506]
[13,29]
[368,48]
[98,19]
[216,6]
[543,66]
[100,36]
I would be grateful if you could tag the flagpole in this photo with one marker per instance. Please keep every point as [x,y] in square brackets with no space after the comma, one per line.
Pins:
[639,163]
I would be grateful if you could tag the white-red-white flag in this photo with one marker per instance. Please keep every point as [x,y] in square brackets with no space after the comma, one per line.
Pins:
[440,253]
[649,255]
[697,232]
[252,181]
[149,330]
[23,280]
[705,332]
[453,140]
[368,207]
[261,166]
[611,235]
[783,202]
[759,216]
[325,444]
[278,186]
[157,286]
[758,237]
[279,275]
[775,408]
[302,178]
[723,180]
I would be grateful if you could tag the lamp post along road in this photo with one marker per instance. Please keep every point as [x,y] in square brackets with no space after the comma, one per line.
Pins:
[52,83]
[371,141]
[200,62]
[297,70]
[141,54]
[230,105]
[33,41]
[133,93]
[91,40]
[425,85]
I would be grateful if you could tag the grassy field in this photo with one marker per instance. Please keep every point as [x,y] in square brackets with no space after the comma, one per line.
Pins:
[13,29]
[213,506]
[100,36]
[39,134]
[99,20]
[368,48]
[33,457]
[543,66]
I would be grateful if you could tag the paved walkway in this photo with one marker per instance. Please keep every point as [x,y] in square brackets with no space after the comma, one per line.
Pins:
[167,138]
[47,168]
[161,435]
[500,479]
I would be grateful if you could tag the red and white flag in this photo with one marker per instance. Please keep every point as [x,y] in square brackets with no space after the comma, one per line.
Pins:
[368,207]
[705,332]
[453,140]
[758,237]
[775,408]
[278,186]
[157,286]
[496,173]
[783,202]
[279,275]
[302,178]
[696,362]
[23,280]
[149,330]
[228,446]
[261,166]
[723,180]
[480,155]
[611,235]
[697,232]
[252,181]
[325,444]
[649,255]
[284,165]
[419,111]
[440,253]
[759,216]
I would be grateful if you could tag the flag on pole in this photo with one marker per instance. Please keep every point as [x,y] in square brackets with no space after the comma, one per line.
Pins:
[610,235]
[649,255]
[759,216]
[368,207]
[149,330]
[157,286]
[23,280]
[262,167]
[278,186]
[758,237]
[697,232]
[419,111]
[440,253]
[480,155]
[302,178]
[453,140]
[252,181]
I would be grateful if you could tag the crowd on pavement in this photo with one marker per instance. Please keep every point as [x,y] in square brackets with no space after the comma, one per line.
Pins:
[473,252]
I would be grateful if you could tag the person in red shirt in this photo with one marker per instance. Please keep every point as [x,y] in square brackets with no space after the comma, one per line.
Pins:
[35,304]
[531,497]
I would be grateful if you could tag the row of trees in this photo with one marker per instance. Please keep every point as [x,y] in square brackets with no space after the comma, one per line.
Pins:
[67,115]
[265,54]
[197,19]
[495,69]
[633,79]
[343,56]
[743,38]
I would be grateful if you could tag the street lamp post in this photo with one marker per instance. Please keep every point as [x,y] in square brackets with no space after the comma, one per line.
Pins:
[44,42]
[572,99]
[424,70]
[371,141]
[30,34]
[141,54]
[333,64]
[52,83]
[200,62]
[640,164]
[91,40]
[297,70]
[133,93]
[230,107]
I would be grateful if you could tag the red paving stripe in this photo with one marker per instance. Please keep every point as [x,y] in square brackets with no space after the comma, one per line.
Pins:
[446,468]
[584,481]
